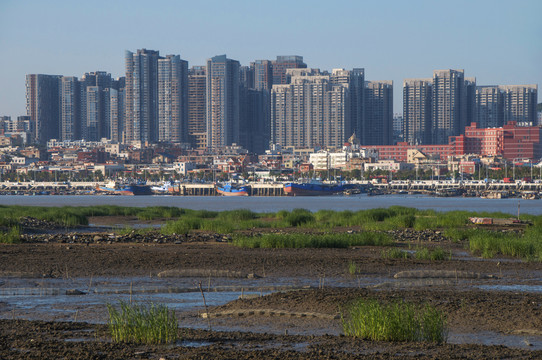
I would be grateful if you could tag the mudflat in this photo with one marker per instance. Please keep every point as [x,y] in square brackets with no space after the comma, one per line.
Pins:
[300,324]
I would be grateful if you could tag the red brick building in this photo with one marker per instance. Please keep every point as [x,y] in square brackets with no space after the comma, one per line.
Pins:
[510,141]
[399,152]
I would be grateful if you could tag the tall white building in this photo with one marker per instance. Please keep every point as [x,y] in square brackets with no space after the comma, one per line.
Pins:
[172,99]
[310,111]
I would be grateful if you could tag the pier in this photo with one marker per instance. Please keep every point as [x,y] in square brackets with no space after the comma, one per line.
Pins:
[277,189]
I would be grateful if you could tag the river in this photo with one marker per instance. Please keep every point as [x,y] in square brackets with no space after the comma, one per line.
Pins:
[273,204]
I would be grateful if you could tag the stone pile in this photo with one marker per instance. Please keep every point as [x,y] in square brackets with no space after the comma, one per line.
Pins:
[410,235]
[132,237]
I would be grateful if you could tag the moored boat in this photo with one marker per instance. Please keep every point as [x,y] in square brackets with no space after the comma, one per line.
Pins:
[167,187]
[232,190]
[315,188]
[115,188]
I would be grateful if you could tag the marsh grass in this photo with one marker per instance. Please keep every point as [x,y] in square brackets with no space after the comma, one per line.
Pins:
[395,253]
[352,268]
[399,321]
[12,236]
[139,323]
[437,254]
[313,240]
[489,244]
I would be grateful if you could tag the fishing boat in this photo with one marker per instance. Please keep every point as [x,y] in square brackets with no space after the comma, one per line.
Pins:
[315,188]
[167,187]
[115,188]
[232,189]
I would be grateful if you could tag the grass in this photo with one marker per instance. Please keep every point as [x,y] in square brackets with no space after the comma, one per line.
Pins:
[297,241]
[421,253]
[13,236]
[395,253]
[399,321]
[352,268]
[182,221]
[437,254]
[490,244]
[146,324]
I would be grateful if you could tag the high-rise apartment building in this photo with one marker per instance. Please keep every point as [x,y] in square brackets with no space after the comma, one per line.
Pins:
[116,114]
[263,74]
[222,101]
[255,118]
[354,80]
[520,103]
[449,111]
[141,120]
[43,106]
[95,103]
[283,63]
[254,128]
[196,107]
[310,111]
[70,108]
[497,105]
[97,113]
[489,107]
[172,99]
[378,122]
[246,76]
[417,103]
[470,103]
[397,135]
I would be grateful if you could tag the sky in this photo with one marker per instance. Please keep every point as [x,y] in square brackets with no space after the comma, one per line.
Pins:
[499,42]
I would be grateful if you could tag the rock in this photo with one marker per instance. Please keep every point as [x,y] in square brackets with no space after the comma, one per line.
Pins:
[74,292]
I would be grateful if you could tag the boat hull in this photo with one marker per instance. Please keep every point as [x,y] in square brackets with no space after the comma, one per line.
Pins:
[233,191]
[126,190]
[295,189]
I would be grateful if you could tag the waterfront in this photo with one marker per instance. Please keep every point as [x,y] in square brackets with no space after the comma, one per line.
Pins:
[273,204]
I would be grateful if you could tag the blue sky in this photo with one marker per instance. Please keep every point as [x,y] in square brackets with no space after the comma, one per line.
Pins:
[498,42]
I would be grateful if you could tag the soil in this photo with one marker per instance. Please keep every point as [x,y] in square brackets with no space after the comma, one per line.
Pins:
[273,323]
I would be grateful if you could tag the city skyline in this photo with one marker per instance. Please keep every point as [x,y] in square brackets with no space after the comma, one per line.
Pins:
[494,41]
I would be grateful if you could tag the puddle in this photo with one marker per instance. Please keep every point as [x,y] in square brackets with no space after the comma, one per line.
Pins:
[467,256]
[193,343]
[46,299]
[514,288]
[493,338]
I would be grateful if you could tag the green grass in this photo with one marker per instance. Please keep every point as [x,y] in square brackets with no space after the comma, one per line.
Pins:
[313,240]
[352,268]
[13,236]
[399,321]
[489,244]
[138,323]
[395,253]
[437,254]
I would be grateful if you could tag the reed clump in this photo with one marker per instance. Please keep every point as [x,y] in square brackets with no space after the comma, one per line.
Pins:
[141,323]
[398,321]
[489,244]
[297,241]
[395,253]
[12,236]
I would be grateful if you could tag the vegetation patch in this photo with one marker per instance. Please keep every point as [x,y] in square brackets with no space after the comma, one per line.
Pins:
[313,240]
[12,236]
[489,244]
[399,321]
[395,253]
[140,323]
